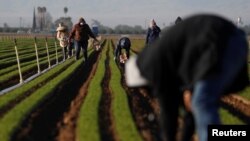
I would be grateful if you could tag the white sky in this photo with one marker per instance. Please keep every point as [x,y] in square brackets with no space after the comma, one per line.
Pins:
[114,12]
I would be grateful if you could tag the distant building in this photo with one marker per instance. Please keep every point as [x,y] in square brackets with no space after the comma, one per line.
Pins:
[34,21]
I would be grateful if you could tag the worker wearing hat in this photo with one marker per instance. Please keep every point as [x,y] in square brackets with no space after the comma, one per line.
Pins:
[63,37]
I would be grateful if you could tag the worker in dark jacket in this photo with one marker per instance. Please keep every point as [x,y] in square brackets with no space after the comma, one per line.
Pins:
[123,43]
[81,32]
[204,52]
[153,32]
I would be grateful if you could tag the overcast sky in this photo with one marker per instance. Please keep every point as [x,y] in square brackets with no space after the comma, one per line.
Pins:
[130,12]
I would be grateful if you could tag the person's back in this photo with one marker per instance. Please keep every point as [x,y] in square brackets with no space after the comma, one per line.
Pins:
[125,43]
[81,32]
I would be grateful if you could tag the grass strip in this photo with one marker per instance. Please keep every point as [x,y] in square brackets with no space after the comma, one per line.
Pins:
[88,127]
[228,118]
[6,98]
[14,67]
[29,68]
[245,93]
[123,118]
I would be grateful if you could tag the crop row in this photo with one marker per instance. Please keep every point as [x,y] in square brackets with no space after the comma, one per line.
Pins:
[88,126]
[10,121]
[22,100]
[17,104]
[29,66]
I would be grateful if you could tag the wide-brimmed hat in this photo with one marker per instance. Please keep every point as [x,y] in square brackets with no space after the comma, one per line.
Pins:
[60,27]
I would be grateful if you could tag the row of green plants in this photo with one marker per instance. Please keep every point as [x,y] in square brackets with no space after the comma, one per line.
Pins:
[26,53]
[124,126]
[36,83]
[13,118]
[28,63]
[43,86]
[88,119]
[6,47]
[22,100]
[87,123]
[14,67]
[9,76]
[127,131]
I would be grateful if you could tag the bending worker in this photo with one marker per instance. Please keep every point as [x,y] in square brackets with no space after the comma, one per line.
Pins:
[205,52]
[123,43]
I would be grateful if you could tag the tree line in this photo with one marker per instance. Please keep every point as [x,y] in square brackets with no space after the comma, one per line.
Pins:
[43,24]
[119,29]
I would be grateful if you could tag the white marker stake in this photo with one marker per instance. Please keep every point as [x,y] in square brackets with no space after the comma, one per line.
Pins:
[46,41]
[56,52]
[37,58]
[18,63]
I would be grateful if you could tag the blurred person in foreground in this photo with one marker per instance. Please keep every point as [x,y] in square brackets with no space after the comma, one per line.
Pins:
[153,32]
[123,43]
[204,52]
[188,128]
[81,32]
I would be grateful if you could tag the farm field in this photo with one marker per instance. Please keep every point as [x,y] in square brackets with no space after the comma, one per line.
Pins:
[84,101]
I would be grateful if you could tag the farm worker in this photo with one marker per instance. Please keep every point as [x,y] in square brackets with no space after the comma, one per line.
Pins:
[63,37]
[211,59]
[153,32]
[81,32]
[122,43]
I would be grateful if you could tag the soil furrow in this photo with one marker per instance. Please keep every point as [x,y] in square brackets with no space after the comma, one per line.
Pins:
[145,111]
[67,126]
[238,106]
[107,129]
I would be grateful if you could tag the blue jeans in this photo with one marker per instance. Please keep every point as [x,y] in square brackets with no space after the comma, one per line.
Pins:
[84,46]
[207,92]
